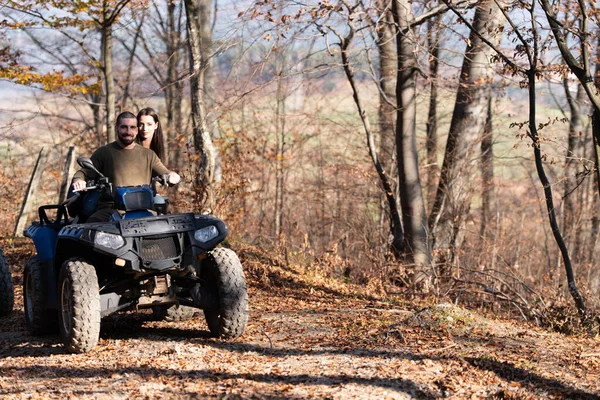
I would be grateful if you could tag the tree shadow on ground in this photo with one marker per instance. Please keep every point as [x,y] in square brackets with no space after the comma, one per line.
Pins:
[503,370]
[140,325]
[16,341]
[510,372]
[506,371]
[22,344]
[133,326]
[59,373]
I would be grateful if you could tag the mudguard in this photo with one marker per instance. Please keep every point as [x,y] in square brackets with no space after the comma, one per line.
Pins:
[44,239]
[45,232]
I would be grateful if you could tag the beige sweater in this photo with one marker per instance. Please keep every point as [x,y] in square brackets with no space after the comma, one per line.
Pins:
[124,167]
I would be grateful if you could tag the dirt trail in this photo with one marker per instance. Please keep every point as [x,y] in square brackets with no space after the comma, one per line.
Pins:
[305,339]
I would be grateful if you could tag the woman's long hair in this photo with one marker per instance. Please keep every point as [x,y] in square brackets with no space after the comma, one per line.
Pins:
[157,144]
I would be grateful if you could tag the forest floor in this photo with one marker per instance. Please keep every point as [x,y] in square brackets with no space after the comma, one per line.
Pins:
[307,337]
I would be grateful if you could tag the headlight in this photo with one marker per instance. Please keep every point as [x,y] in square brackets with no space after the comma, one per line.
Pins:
[206,234]
[108,240]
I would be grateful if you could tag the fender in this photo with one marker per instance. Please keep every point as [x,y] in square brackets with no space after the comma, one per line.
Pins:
[44,239]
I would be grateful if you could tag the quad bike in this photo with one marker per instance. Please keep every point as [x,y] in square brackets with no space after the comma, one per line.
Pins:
[7,293]
[85,271]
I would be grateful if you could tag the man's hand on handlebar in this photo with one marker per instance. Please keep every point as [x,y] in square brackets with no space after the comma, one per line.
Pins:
[77,186]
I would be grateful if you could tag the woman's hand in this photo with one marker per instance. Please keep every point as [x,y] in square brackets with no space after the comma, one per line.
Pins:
[173,178]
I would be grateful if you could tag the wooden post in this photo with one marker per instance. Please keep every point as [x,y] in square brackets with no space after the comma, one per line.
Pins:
[67,172]
[34,182]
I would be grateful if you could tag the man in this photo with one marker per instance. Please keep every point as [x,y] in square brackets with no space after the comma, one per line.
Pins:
[124,163]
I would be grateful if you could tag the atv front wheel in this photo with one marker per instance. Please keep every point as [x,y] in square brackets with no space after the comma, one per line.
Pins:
[79,314]
[174,313]
[7,291]
[223,271]
[40,321]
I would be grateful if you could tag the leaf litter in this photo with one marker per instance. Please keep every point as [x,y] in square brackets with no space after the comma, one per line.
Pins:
[308,337]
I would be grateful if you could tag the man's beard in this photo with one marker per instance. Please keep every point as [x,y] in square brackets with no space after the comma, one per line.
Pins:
[127,140]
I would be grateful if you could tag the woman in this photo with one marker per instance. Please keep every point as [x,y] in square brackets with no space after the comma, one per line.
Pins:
[151,137]
[150,132]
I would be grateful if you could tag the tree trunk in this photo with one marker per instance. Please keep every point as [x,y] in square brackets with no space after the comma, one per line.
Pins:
[198,26]
[572,286]
[280,144]
[136,37]
[396,230]
[388,62]
[30,194]
[595,223]
[98,120]
[172,95]
[176,126]
[414,217]
[433,37]
[580,66]
[109,79]
[488,193]
[212,116]
[67,173]
[179,131]
[571,226]
[456,184]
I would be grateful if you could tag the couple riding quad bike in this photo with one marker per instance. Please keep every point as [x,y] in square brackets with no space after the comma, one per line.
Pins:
[139,259]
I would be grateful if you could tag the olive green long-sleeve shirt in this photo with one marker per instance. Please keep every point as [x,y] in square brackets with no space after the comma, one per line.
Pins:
[124,167]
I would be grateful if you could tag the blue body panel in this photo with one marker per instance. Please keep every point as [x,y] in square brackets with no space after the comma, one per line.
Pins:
[44,239]
[137,214]
[130,198]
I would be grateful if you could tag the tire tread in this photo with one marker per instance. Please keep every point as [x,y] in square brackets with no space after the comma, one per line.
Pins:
[231,319]
[41,321]
[85,318]
[7,290]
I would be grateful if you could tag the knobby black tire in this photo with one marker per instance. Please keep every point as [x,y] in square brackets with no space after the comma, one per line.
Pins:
[79,300]
[224,272]
[7,291]
[174,313]
[39,320]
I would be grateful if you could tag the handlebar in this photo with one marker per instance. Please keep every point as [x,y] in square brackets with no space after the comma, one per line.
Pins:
[163,179]
[101,184]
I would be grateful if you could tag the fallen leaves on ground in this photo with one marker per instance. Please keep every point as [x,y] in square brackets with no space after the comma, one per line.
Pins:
[306,338]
